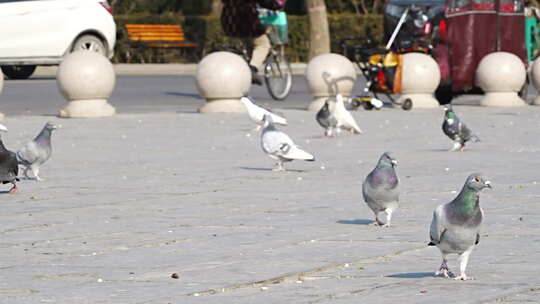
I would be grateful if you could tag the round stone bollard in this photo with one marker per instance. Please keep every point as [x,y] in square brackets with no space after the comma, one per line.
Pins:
[327,75]
[1,88]
[86,79]
[222,78]
[501,75]
[535,77]
[420,77]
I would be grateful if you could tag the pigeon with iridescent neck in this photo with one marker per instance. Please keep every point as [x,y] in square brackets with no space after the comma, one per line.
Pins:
[455,227]
[456,130]
[381,189]
[326,119]
[38,151]
[9,167]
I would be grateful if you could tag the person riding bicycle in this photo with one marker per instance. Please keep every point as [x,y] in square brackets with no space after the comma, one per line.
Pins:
[239,19]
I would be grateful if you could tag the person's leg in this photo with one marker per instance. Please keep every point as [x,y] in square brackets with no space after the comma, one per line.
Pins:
[261,47]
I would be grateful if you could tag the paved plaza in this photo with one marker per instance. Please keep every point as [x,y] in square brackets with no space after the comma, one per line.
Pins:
[130,200]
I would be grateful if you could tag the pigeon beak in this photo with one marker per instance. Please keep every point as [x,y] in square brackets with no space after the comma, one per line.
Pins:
[488,184]
[394,162]
[3,128]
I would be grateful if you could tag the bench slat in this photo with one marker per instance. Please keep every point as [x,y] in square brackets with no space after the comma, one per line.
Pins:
[158,35]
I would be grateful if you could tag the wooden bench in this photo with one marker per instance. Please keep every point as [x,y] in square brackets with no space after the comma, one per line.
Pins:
[155,36]
[158,35]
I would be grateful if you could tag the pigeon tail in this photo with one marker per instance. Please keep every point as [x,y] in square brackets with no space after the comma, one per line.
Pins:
[297,153]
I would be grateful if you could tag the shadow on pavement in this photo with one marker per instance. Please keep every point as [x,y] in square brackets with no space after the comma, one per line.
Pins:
[412,275]
[355,222]
[195,96]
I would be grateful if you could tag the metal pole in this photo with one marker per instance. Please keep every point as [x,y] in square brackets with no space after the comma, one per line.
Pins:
[398,27]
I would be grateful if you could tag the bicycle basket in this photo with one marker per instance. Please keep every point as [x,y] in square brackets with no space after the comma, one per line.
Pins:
[276,22]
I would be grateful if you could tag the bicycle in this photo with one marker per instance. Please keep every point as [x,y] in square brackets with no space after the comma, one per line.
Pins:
[277,70]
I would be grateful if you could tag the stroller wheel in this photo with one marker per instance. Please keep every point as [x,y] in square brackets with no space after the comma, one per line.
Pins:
[407,104]
[368,106]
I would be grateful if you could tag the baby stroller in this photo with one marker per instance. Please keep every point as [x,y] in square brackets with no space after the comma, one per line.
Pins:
[408,28]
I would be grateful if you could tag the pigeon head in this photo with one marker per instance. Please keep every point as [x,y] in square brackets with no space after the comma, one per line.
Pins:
[267,120]
[51,126]
[387,159]
[449,112]
[3,128]
[326,105]
[339,98]
[245,100]
[477,182]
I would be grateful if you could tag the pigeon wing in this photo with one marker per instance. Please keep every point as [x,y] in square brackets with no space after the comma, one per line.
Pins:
[437,227]
[9,166]
[28,154]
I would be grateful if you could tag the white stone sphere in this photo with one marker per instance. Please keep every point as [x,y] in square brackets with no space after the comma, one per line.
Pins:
[326,72]
[535,73]
[420,74]
[223,75]
[500,72]
[535,78]
[86,75]
[1,88]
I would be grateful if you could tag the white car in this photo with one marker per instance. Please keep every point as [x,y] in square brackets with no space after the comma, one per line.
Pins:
[42,32]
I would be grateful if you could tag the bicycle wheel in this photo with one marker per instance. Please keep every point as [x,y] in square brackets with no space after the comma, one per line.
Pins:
[278,76]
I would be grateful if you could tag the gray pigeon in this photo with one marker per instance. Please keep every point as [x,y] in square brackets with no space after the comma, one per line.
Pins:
[456,130]
[380,189]
[9,167]
[326,119]
[38,151]
[455,227]
[279,145]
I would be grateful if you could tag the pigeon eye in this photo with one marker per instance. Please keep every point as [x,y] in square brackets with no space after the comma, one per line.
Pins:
[476,179]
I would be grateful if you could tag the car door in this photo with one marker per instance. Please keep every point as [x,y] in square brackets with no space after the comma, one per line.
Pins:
[34,28]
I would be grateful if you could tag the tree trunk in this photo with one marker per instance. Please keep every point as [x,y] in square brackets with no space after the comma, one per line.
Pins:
[217,5]
[319,35]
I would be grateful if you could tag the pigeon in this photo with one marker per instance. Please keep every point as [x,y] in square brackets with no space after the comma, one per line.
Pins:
[280,146]
[257,113]
[344,118]
[326,119]
[381,189]
[38,151]
[9,167]
[455,227]
[456,130]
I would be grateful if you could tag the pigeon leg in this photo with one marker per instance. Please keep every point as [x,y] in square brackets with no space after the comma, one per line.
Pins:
[457,146]
[444,268]
[26,172]
[279,166]
[328,132]
[13,189]
[463,260]
[35,171]
[377,222]
[388,217]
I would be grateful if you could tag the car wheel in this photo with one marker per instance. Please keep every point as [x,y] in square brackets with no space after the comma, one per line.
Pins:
[89,43]
[18,71]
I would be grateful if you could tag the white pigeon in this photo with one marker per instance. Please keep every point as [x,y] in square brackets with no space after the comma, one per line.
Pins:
[280,146]
[344,118]
[256,113]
